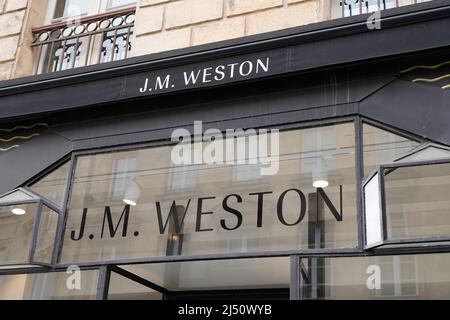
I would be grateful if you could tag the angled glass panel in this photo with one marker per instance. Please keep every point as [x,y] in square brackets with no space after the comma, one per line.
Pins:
[27,230]
[418,201]
[411,277]
[46,235]
[16,233]
[381,146]
[428,153]
[16,196]
[53,186]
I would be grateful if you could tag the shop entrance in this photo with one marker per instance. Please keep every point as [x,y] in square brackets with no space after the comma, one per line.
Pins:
[237,279]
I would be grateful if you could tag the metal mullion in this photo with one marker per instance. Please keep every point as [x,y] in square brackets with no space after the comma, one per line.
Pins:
[222,256]
[22,271]
[384,233]
[103,283]
[37,219]
[295,279]
[359,167]
[63,216]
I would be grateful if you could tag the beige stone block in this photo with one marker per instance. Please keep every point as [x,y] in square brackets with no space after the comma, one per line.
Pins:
[5,70]
[163,41]
[185,12]
[8,48]
[11,23]
[143,3]
[2,4]
[149,19]
[276,19]
[218,30]
[25,61]
[12,5]
[235,7]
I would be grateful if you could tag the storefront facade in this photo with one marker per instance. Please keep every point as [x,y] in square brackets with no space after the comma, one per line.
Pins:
[349,200]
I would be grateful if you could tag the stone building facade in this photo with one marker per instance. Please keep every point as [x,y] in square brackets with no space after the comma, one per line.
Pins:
[163,25]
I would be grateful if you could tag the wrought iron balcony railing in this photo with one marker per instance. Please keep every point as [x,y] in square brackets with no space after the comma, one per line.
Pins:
[355,7]
[91,40]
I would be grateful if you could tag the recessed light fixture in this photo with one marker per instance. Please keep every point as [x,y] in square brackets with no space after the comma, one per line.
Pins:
[130,202]
[320,184]
[18,211]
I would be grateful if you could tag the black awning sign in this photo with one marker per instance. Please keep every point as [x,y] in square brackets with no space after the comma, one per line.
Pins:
[205,74]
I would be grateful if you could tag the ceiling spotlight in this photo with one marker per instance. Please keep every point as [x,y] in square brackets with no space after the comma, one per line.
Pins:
[18,211]
[130,202]
[320,184]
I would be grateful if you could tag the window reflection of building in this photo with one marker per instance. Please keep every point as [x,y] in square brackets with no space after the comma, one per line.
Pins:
[183,178]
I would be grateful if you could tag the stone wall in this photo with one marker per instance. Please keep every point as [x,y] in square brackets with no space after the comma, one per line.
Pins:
[171,24]
[17,18]
[163,25]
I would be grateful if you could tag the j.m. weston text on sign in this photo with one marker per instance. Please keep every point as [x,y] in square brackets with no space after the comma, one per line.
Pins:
[115,223]
[211,74]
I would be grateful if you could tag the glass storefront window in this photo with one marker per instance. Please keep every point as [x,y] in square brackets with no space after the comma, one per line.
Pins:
[411,200]
[53,185]
[49,286]
[381,146]
[235,278]
[417,201]
[16,232]
[416,277]
[122,288]
[27,229]
[123,205]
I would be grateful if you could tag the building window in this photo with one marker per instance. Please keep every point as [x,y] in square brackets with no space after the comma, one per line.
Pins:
[112,4]
[70,8]
[80,33]
[419,277]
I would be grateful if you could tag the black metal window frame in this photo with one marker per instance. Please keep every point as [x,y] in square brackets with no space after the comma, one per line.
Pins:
[379,174]
[107,266]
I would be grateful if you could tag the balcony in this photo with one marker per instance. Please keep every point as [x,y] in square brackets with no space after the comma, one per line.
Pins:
[86,41]
[347,8]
